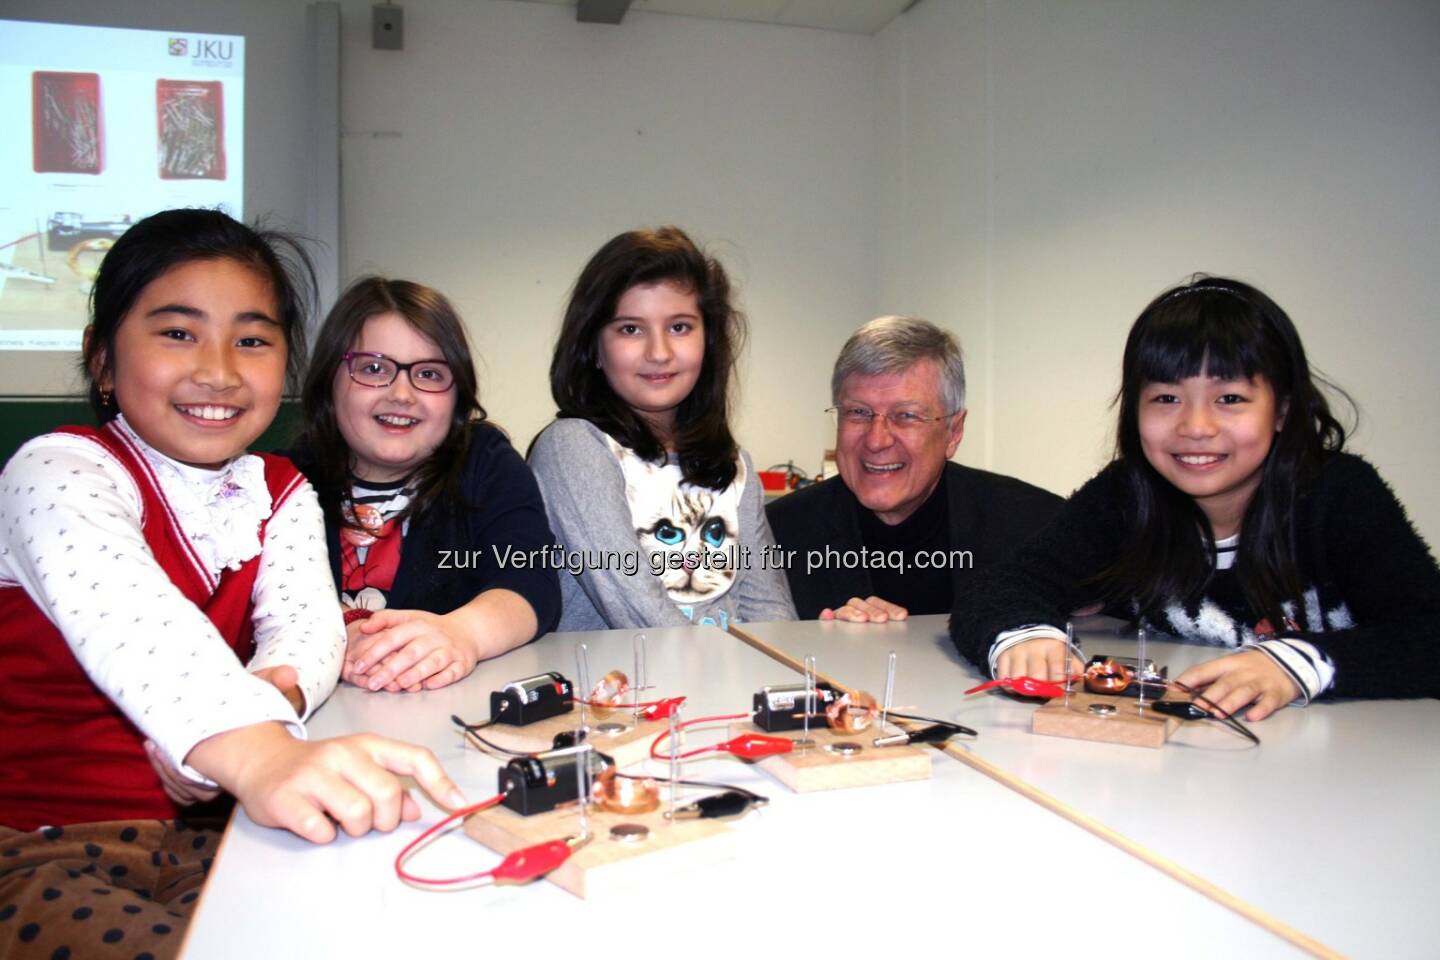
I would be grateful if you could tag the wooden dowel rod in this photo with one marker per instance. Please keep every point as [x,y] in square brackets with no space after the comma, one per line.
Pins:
[1090,825]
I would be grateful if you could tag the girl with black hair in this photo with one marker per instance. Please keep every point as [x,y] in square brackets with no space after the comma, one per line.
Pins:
[422,495]
[658,511]
[1230,516]
[165,621]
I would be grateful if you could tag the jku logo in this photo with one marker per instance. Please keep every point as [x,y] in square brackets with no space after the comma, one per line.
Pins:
[203,49]
[214,49]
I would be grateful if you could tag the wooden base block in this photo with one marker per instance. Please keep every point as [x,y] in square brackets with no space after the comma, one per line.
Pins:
[1127,725]
[606,866]
[820,768]
[630,745]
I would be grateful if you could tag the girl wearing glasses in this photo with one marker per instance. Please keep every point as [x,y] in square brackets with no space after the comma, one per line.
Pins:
[420,493]
[165,627]
[659,510]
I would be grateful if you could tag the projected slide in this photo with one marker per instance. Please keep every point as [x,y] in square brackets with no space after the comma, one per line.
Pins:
[102,127]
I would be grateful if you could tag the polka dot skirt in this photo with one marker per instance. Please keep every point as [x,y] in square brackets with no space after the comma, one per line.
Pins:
[123,889]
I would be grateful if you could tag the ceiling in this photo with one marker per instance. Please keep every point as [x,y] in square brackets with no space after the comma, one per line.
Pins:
[850,16]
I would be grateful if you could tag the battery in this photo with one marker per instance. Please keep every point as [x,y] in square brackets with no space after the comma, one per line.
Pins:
[782,706]
[541,783]
[534,698]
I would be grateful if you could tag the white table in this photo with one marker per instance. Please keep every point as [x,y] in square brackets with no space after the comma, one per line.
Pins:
[951,865]
[1329,825]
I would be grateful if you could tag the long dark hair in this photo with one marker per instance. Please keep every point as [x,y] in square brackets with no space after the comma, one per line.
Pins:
[1230,330]
[170,239]
[327,455]
[703,444]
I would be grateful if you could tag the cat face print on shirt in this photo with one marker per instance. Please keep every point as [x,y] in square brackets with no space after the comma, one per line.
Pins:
[690,534]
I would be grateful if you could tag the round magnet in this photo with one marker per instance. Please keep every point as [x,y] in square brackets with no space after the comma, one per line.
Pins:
[610,729]
[1102,709]
[844,748]
[629,832]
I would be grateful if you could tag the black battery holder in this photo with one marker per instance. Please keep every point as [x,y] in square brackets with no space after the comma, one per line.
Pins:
[534,785]
[533,698]
[782,706]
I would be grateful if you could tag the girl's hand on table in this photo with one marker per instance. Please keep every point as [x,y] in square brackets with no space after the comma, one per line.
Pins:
[308,787]
[1042,658]
[407,650]
[1248,679]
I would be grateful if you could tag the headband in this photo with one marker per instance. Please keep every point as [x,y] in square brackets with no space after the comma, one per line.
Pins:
[1200,288]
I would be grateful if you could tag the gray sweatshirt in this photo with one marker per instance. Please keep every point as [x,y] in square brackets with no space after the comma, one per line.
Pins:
[645,549]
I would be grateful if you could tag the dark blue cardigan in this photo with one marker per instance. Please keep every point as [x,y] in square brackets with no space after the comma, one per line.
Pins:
[449,554]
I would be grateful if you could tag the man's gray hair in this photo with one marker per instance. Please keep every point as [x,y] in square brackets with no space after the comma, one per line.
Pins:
[895,344]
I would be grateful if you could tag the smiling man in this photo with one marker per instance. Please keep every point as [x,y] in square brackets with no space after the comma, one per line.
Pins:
[901,528]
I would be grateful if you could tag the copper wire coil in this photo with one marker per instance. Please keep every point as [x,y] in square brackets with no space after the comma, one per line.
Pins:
[852,712]
[1108,676]
[626,795]
[610,689]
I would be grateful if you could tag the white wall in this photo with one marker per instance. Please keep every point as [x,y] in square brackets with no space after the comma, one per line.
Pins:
[507,142]
[1029,173]
[1047,168]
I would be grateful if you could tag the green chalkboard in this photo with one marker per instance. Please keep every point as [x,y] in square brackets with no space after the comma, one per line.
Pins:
[22,419]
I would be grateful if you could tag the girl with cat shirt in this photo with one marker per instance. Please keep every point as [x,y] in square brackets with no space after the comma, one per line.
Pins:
[640,472]
[409,473]
[153,578]
[1230,517]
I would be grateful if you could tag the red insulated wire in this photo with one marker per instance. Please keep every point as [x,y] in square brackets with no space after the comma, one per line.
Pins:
[13,243]
[410,847]
[655,745]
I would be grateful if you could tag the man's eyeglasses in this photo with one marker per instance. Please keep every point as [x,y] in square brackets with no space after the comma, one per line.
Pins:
[854,417]
[378,370]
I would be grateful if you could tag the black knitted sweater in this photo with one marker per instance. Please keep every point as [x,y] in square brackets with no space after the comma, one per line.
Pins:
[1371,603]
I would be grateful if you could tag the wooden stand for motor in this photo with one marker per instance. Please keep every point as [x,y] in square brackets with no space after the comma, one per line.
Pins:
[628,746]
[1127,725]
[819,768]
[606,865]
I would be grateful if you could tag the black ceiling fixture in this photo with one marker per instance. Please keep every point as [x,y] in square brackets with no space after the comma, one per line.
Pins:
[601,11]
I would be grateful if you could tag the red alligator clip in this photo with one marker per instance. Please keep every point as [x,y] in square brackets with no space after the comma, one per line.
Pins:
[753,746]
[525,865]
[1025,686]
[662,709]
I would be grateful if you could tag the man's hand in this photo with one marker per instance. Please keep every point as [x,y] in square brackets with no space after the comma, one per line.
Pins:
[871,610]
